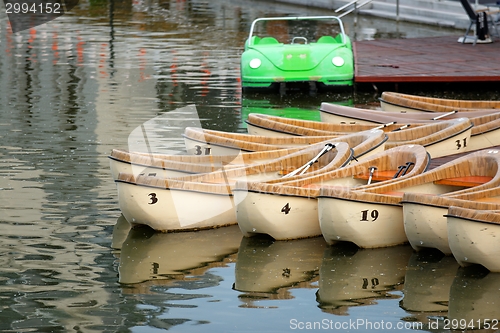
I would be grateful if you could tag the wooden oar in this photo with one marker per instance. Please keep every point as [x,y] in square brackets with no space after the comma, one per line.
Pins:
[444,115]
[372,169]
[385,125]
[401,128]
[302,169]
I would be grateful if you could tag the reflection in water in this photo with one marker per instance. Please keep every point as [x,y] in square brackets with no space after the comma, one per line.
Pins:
[75,88]
[427,282]
[148,255]
[266,266]
[350,276]
[474,299]
[120,232]
[163,134]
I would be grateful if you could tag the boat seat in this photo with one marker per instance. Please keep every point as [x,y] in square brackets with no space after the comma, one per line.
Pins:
[387,174]
[268,41]
[378,175]
[327,39]
[468,181]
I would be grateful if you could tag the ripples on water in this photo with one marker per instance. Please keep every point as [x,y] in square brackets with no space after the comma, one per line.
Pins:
[73,89]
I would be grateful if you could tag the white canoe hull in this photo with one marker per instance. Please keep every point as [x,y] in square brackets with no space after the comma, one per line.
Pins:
[454,144]
[281,217]
[484,140]
[474,242]
[169,210]
[368,225]
[425,227]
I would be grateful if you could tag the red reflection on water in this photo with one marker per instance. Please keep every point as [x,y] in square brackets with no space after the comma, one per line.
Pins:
[142,65]
[55,47]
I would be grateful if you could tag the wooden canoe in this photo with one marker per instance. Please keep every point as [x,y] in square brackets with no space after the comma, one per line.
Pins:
[397,102]
[446,137]
[205,201]
[267,125]
[200,141]
[473,235]
[170,166]
[287,208]
[217,142]
[442,138]
[372,216]
[340,114]
[484,134]
[423,214]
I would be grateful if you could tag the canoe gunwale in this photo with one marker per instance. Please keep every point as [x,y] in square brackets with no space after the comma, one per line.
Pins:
[473,215]
[274,193]
[478,220]
[368,151]
[156,167]
[447,131]
[453,134]
[433,104]
[220,145]
[368,200]
[274,130]
[176,188]
[403,106]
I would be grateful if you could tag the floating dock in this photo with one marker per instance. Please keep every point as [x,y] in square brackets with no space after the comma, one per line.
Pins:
[426,60]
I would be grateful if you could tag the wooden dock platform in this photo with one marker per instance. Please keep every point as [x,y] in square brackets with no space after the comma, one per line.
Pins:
[430,59]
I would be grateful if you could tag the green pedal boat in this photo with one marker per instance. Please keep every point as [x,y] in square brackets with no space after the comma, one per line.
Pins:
[311,49]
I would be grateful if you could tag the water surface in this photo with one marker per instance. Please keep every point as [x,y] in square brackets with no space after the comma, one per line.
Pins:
[75,88]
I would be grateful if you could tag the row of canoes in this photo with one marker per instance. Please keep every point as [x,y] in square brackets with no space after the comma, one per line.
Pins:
[441,137]
[366,183]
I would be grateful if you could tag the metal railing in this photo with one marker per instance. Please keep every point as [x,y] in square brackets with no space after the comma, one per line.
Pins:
[355,6]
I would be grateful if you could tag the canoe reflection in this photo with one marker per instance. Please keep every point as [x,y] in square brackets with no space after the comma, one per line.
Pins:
[265,265]
[350,276]
[148,255]
[427,282]
[120,232]
[475,299]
